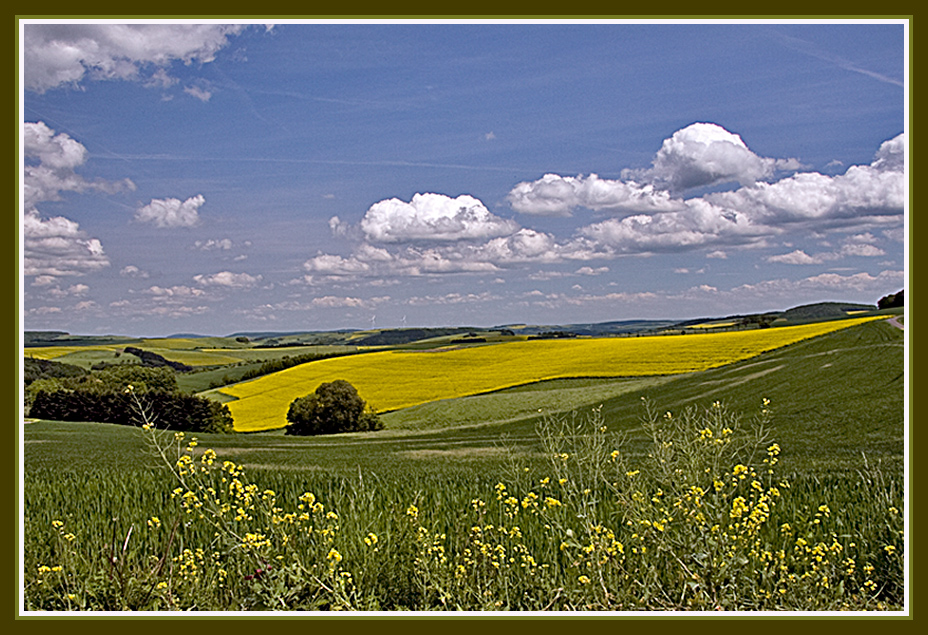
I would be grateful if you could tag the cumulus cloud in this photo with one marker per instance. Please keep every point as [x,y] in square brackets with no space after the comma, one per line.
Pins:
[436,234]
[860,245]
[43,281]
[51,161]
[862,282]
[700,225]
[171,212]
[223,244]
[431,217]
[333,265]
[554,195]
[65,54]
[227,279]
[700,155]
[590,271]
[864,196]
[704,154]
[131,271]
[331,302]
[58,247]
[175,292]
[797,257]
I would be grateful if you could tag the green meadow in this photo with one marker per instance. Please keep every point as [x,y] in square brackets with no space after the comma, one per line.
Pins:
[446,537]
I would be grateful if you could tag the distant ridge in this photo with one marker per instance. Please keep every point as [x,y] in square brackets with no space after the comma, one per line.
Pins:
[399,335]
[825,310]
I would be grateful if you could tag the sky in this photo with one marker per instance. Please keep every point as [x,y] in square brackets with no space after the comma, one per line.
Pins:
[218,178]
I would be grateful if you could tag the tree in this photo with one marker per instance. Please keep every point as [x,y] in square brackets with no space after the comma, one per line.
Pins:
[892,300]
[334,407]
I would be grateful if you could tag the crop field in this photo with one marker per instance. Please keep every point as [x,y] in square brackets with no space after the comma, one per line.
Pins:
[483,503]
[392,380]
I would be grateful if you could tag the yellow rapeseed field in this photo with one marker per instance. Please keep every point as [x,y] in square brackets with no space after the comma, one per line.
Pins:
[398,379]
[54,352]
[712,325]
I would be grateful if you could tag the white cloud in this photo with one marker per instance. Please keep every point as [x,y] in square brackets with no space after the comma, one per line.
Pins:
[330,302]
[859,245]
[461,236]
[431,217]
[200,93]
[891,155]
[73,290]
[700,225]
[58,247]
[452,299]
[224,244]
[699,155]
[65,54]
[51,160]
[43,281]
[131,271]
[554,195]
[862,282]
[797,257]
[227,279]
[333,265]
[175,292]
[590,271]
[171,212]
[705,154]
[864,196]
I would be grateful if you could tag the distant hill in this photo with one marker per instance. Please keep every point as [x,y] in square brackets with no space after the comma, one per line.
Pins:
[824,310]
[61,338]
[401,336]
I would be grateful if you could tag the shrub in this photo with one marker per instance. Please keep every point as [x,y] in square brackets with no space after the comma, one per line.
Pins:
[334,407]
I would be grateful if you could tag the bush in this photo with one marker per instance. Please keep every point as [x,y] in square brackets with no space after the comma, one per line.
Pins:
[334,407]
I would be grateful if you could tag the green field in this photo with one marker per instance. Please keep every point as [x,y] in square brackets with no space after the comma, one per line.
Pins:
[837,413]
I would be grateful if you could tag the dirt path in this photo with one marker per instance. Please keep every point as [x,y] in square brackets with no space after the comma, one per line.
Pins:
[895,322]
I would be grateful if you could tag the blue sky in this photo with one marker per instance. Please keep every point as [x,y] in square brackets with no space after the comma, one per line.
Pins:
[218,178]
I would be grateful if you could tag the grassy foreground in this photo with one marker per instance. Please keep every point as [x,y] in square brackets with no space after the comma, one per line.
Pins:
[510,509]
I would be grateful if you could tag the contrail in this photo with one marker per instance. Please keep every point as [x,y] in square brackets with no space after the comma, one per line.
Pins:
[807,48]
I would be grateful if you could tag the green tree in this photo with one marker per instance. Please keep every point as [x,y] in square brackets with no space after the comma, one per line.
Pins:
[335,407]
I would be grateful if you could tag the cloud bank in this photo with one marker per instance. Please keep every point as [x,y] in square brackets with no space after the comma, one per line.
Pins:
[647,214]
